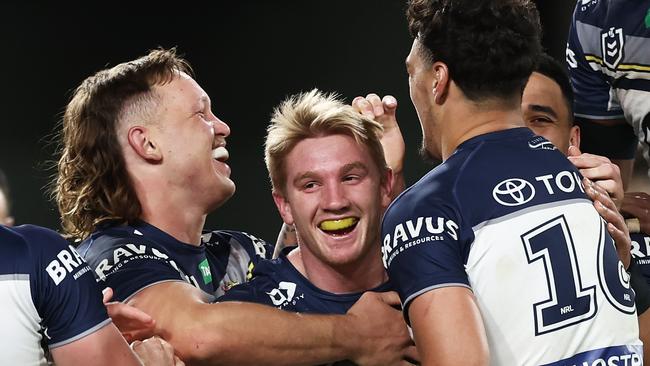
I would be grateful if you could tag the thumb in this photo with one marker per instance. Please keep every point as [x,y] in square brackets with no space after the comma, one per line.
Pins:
[107,294]
[391,298]
[390,105]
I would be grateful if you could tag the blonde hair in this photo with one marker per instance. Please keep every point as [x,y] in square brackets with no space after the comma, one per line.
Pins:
[316,114]
[92,185]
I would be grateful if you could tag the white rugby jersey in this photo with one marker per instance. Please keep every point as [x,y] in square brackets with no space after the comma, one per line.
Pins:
[506,216]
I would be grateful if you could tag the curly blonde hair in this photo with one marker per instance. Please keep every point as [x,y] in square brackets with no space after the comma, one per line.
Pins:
[92,185]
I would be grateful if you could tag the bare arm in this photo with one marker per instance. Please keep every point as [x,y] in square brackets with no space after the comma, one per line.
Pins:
[448,328]
[383,111]
[225,333]
[102,348]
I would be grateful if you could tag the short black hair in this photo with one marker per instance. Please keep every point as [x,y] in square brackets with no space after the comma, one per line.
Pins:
[556,71]
[490,46]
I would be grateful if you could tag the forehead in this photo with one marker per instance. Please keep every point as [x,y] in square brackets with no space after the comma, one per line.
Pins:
[181,90]
[542,90]
[414,58]
[326,153]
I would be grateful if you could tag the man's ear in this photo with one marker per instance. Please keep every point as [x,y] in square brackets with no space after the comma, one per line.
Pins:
[284,208]
[574,136]
[142,142]
[441,81]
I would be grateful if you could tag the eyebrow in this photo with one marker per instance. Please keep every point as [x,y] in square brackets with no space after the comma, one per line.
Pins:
[355,165]
[344,170]
[543,109]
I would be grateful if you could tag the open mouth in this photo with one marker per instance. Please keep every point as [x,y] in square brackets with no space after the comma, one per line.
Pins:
[220,154]
[339,227]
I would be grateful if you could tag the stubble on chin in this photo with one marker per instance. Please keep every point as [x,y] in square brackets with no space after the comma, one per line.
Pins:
[427,156]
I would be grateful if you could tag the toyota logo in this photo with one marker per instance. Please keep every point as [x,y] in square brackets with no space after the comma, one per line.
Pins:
[513,192]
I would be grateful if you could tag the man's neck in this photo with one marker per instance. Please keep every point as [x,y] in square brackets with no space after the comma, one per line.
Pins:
[167,214]
[363,275]
[463,121]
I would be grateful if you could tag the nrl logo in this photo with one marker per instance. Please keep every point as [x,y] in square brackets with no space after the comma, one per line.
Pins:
[540,143]
[612,42]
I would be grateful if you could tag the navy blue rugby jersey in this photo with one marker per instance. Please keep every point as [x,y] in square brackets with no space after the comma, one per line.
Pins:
[47,293]
[278,283]
[506,216]
[608,54]
[641,253]
[130,258]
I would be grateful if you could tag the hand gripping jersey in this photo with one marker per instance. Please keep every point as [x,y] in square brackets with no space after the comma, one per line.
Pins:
[278,283]
[130,258]
[608,54]
[47,293]
[507,217]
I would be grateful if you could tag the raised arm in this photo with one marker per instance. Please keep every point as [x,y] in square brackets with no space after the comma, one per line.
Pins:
[383,111]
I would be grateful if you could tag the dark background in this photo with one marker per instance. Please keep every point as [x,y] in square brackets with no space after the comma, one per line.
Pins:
[248,55]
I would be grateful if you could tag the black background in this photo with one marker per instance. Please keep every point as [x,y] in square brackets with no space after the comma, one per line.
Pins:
[248,55]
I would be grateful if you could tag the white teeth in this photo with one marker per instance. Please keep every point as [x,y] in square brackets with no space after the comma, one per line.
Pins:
[220,153]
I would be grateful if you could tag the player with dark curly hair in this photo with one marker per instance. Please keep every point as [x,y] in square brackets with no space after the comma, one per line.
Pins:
[497,253]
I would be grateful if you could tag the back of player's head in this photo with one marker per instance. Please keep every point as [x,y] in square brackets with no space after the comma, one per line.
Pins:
[489,46]
[93,184]
[316,114]
[556,71]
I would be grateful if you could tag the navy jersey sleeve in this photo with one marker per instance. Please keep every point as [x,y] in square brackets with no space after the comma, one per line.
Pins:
[421,247]
[131,266]
[65,292]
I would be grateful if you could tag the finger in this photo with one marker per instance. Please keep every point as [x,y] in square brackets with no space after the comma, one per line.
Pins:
[138,334]
[411,354]
[126,314]
[390,298]
[390,105]
[574,151]
[134,344]
[364,107]
[107,294]
[377,106]
[603,197]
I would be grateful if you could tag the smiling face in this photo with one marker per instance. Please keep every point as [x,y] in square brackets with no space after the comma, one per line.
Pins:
[547,114]
[334,195]
[192,142]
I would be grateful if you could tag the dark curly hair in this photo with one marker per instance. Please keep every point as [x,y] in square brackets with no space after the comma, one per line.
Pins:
[92,184]
[490,46]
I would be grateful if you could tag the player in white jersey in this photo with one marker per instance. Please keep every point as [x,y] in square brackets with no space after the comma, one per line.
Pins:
[497,254]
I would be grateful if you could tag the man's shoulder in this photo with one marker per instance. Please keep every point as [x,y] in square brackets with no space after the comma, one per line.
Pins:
[106,240]
[26,245]
[266,276]
[225,242]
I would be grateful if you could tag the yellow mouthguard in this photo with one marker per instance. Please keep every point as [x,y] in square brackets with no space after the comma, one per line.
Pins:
[341,224]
